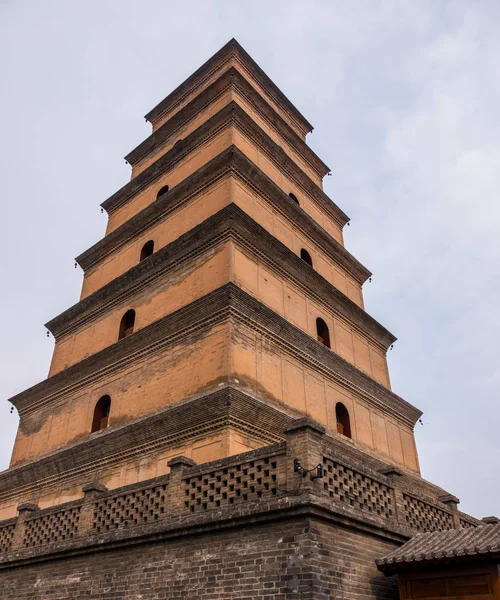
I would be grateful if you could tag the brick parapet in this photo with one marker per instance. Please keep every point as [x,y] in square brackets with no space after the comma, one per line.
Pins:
[255,485]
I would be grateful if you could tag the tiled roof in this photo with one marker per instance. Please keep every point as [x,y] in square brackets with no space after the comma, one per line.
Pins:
[444,545]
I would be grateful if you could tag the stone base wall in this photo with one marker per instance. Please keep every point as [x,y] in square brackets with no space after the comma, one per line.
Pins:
[297,557]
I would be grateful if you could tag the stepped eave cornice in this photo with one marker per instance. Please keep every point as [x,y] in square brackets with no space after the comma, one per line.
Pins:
[233,161]
[229,223]
[227,303]
[231,50]
[233,114]
[194,416]
[230,79]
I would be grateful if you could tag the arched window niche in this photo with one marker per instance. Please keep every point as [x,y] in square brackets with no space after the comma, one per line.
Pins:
[162,191]
[147,250]
[127,324]
[322,332]
[343,420]
[294,198]
[101,414]
[306,257]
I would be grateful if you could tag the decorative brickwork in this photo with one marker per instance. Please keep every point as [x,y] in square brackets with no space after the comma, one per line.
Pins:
[6,535]
[466,524]
[422,516]
[241,481]
[138,507]
[174,535]
[52,527]
[225,486]
[357,490]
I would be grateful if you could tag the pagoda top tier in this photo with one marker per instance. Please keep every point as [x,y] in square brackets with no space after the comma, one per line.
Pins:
[230,55]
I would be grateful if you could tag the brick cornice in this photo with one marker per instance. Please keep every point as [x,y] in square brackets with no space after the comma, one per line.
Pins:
[232,50]
[227,303]
[229,223]
[230,115]
[230,79]
[230,162]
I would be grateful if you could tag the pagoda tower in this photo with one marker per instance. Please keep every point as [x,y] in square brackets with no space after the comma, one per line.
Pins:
[220,315]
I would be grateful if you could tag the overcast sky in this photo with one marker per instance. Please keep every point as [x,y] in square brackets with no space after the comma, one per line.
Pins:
[404,97]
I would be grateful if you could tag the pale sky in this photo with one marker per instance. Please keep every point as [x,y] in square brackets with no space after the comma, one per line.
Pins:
[404,97]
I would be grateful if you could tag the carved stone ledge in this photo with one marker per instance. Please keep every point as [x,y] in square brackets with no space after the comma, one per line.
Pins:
[392,472]
[94,487]
[180,462]
[27,508]
[449,500]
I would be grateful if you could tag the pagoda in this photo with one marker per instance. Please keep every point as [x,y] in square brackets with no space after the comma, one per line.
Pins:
[218,419]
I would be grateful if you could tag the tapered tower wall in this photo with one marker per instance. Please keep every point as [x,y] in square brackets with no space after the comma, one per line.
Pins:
[224,302]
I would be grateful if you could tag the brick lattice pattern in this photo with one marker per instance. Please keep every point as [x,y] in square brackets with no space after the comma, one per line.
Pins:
[239,483]
[467,524]
[422,516]
[138,507]
[357,490]
[52,527]
[6,535]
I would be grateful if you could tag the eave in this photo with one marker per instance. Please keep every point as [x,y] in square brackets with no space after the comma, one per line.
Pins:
[230,79]
[230,162]
[231,223]
[231,50]
[231,115]
[227,303]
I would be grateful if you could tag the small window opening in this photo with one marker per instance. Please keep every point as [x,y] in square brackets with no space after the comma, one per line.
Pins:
[147,250]
[294,198]
[127,324]
[343,420]
[101,414]
[306,257]
[322,332]
[162,191]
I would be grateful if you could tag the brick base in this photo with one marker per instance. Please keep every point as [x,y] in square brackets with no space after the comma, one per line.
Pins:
[298,557]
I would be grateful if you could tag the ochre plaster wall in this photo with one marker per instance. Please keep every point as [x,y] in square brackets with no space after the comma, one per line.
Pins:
[208,272]
[208,112]
[165,231]
[174,224]
[291,236]
[299,309]
[175,289]
[259,365]
[182,132]
[202,155]
[150,384]
[184,168]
